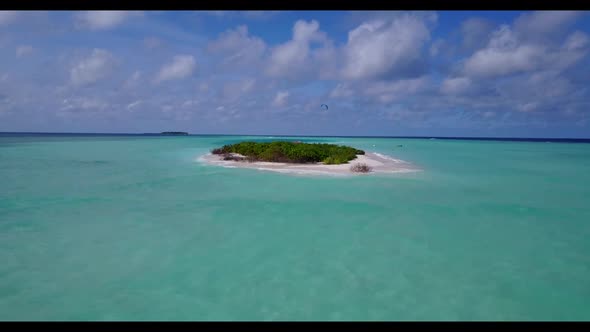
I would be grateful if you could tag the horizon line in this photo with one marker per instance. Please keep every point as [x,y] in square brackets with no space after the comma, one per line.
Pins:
[291,135]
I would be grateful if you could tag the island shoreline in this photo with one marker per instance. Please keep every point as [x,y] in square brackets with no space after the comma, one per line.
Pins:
[379,163]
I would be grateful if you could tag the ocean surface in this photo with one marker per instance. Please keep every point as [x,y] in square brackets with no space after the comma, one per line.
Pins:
[135,228]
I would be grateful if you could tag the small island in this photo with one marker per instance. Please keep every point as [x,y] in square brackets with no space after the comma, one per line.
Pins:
[288,152]
[304,158]
[174,133]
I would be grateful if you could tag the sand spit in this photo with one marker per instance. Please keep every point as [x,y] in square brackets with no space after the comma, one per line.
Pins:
[378,162]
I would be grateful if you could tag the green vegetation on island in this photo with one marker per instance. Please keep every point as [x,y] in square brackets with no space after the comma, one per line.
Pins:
[289,152]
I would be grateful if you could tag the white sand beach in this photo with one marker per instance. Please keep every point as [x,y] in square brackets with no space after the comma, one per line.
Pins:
[379,163]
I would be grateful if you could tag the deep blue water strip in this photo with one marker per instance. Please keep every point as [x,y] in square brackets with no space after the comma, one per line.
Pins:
[510,139]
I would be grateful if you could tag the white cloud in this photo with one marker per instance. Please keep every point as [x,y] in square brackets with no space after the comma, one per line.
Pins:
[103,19]
[280,99]
[307,31]
[182,66]
[239,46]
[285,59]
[7,16]
[378,47]
[504,55]
[92,69]
[23,50]
[133,105]
[507,53]
[291,58]
[455,85]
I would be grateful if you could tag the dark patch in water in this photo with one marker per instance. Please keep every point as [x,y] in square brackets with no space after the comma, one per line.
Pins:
[92,162]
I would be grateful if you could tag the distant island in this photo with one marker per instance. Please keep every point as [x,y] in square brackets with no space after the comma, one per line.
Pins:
[173,133]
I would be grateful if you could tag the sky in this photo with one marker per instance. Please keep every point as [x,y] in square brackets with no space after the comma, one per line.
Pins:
[388,73]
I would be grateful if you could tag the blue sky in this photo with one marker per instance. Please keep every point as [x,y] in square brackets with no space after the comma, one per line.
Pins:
[466,73]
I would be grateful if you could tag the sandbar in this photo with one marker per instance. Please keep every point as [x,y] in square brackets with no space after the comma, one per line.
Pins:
[379,163]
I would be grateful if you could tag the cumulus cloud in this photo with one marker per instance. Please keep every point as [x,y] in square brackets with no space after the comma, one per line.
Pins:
[103,19]
[238,46]
[380,47]
[98,65]
[292,58]
[386,48]
[509,52]
[23,50]
[180,67]
[7,16]
[504,55]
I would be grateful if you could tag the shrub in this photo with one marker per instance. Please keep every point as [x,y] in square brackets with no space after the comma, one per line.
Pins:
[222,150]
[360,168]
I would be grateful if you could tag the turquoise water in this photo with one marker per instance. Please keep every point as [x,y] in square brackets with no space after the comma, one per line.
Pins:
[133,228]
